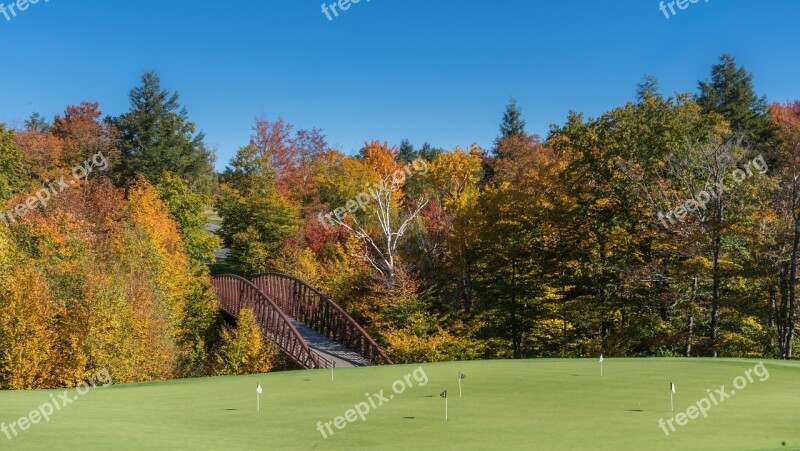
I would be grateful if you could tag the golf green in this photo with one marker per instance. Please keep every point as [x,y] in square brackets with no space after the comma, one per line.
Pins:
[522,404]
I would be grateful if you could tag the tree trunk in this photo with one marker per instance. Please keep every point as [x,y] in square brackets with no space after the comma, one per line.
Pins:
[792,310]
[781,313]
[772,320]
[468,286]
[715,290]
[515,327]
[690,325]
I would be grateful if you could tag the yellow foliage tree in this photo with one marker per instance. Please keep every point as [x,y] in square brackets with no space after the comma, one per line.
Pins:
[27,331]
[244,350]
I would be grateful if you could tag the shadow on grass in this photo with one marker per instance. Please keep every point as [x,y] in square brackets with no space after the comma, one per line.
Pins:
[221,267]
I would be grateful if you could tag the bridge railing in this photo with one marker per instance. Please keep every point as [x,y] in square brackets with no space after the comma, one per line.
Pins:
[312,308]
[235,293]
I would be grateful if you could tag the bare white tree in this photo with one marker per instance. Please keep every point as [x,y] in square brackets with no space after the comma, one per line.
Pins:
[381,251]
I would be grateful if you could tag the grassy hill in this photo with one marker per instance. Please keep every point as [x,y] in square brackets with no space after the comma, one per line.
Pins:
[530,404]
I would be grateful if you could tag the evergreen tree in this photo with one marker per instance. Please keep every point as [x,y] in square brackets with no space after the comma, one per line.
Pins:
[429,153]
[730,93]
[513,125]
[648,87]
[406,154]
[156,136]
[37,123]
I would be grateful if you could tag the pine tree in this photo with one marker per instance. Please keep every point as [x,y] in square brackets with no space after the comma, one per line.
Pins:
[37,123]
[648,87]
[429,153]
[730,93]
[513,125]
[156,136]
[406,154]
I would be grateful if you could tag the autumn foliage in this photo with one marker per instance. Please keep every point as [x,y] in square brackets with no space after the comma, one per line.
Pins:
[536,247]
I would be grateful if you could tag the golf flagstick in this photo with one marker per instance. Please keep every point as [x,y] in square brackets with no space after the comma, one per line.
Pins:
[332,367]
[460,376]
[601,365]
[444,395]
[671,392]
[258,397]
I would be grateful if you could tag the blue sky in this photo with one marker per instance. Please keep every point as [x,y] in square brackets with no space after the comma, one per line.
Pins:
[428,70]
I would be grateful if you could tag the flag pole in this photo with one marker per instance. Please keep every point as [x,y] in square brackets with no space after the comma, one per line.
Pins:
[444,395]
[258,397]
[671,404]
[601,364]
[459,385]
[332,367]
[671,393]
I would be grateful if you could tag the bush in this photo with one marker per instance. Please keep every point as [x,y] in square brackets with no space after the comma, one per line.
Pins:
[244,350]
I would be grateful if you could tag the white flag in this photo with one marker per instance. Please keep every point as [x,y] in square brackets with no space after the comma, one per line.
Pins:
[601,358]
[258,389]
[672,387]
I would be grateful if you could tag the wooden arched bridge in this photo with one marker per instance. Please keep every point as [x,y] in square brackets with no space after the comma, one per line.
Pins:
[307,325]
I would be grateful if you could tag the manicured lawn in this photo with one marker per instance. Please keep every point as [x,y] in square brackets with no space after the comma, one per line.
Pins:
[532,404]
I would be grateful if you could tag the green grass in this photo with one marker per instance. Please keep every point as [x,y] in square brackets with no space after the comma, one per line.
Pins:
[212,216]
[531,404]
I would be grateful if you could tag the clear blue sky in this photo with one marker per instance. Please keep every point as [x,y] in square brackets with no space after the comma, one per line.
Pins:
[429,70]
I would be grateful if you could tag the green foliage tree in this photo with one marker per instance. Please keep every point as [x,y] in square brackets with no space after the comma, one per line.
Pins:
[37,123]
[406,152]
[429,153]
[648,87]
[157,137]
[12,169]
[512,126]
[188,208]
[256,217]
[730,92]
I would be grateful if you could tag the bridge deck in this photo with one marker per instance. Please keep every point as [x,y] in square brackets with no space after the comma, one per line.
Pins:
[314,349]
[328,348]
[322,335]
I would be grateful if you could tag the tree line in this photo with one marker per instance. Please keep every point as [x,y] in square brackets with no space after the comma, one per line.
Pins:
[547,247]
[667,226]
